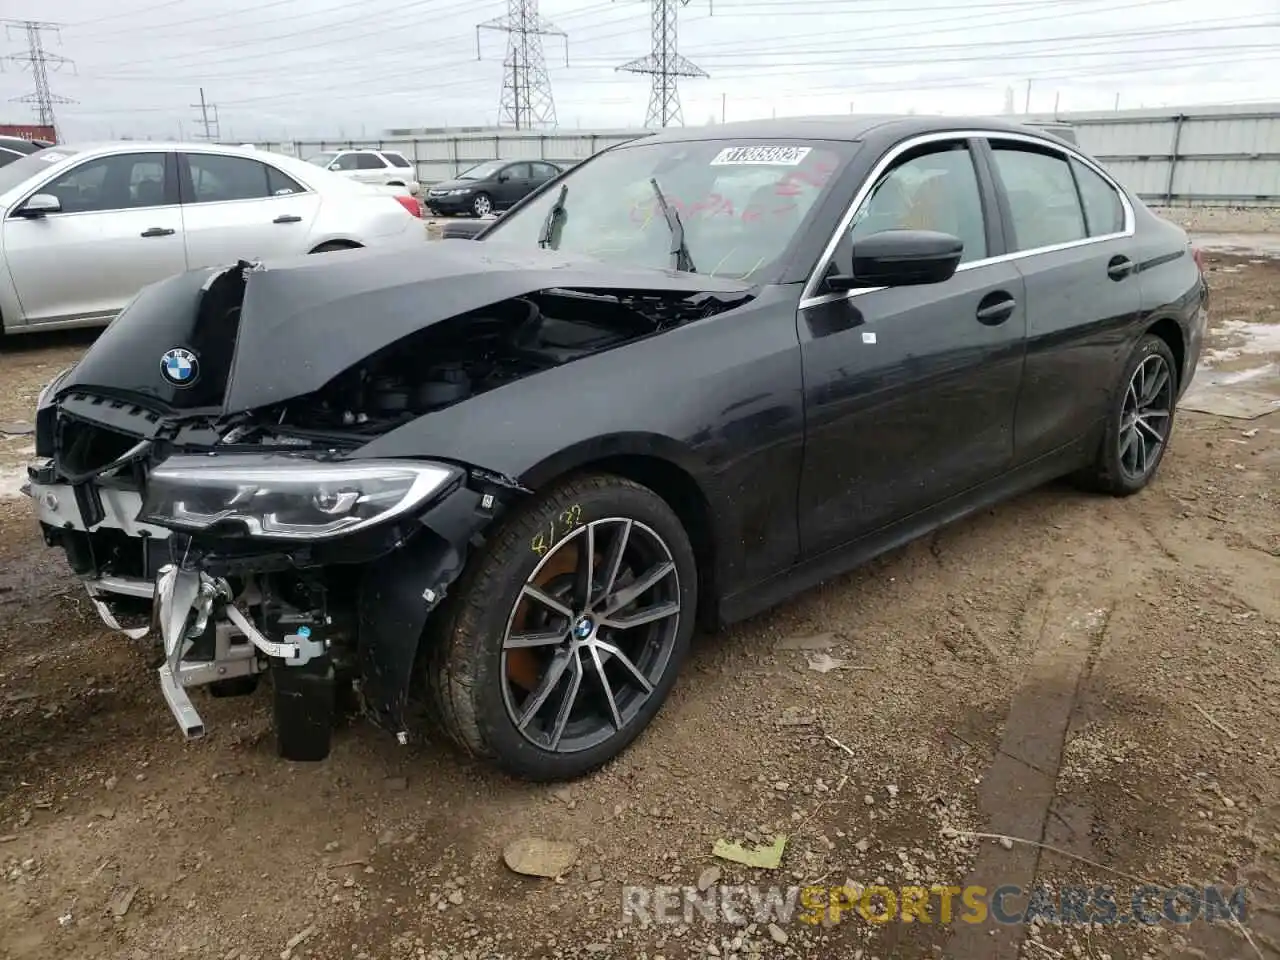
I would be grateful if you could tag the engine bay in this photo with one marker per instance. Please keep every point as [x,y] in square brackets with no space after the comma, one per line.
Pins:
[470,354]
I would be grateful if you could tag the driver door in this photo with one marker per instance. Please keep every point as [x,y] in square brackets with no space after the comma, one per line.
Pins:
[515,186]
[910,391]
[119,229]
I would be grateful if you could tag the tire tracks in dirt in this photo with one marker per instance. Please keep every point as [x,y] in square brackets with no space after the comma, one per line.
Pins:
[1019,790]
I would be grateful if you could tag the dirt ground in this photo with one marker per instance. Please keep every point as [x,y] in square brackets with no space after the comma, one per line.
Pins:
[1099,675]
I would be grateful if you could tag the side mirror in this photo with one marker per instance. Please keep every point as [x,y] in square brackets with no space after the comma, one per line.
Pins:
[503,177]
[40,205]
[899,258]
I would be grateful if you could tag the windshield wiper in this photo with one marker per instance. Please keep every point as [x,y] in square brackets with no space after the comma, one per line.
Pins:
[556,211]
[679,249]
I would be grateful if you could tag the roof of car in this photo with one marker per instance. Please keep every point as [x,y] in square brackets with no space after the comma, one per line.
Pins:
[852,127]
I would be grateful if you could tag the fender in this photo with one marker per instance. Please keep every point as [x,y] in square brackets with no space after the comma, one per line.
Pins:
[399,591]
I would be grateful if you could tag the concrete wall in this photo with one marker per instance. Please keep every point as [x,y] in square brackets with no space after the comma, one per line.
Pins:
[1201,156]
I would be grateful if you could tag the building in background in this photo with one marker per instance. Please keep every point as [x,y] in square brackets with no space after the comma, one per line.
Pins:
[28,131]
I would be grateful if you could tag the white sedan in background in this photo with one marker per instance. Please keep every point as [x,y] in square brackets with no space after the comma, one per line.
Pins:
[84,228]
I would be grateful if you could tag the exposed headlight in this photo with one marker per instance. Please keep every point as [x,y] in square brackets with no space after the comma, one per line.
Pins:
[460,192]
[283,497]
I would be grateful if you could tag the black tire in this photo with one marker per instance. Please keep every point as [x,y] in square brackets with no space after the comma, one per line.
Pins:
[335,245]
[1114,470]
[468,685]
[478,201]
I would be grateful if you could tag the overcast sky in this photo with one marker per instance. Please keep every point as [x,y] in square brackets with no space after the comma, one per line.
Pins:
[305,68]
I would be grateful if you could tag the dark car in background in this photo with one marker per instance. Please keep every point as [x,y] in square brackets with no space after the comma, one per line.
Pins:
[11,148]
[489,186]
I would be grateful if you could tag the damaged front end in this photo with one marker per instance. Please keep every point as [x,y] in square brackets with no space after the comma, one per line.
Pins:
[202,466]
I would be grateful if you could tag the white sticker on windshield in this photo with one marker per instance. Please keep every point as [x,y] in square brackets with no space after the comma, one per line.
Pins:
[774,156]
[51,156]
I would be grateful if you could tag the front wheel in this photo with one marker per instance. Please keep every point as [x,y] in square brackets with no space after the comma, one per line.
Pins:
[1140,422]
[482,205]
[564,638]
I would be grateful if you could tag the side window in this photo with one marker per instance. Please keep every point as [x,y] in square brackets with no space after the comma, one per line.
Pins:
[545,171]
[216,178]
[369,161]
[1043,202]
[346,161]
[1103,212]
[281,184]
[7,157]
[518,171]
[397,160]
[121,182]
[935,188]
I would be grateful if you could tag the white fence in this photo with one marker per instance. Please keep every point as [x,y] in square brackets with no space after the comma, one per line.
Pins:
[1202,155]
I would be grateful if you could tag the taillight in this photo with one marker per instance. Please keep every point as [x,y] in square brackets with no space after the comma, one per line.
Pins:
[411,204]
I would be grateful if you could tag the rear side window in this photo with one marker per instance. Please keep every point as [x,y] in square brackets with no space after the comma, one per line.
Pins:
[215,179]
[281,184]
[369,161]
[346,161]
[1103,212]
[396,160]
[1043,202]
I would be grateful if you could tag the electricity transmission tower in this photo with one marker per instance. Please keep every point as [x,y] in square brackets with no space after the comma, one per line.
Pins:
[39,60]
[526,89]
[210,123]
[665,65]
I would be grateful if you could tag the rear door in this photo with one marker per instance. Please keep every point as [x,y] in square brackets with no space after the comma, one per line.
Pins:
[910,391]
[1072,240]
[370,168]
[237,207]
[120,229]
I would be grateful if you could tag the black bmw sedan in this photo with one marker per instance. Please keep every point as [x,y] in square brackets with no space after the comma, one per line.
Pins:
[498,481]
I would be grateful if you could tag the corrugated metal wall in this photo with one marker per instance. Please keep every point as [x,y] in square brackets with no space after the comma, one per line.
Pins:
[443,156]
[1210,156]
[1202,155]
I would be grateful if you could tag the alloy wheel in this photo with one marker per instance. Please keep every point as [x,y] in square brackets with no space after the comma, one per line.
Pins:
[1145,418]
[590,635]
[482,206]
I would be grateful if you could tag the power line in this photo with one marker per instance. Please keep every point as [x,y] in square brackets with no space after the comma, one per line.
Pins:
[526,99]
[38,60]
[212,131]
[665,64]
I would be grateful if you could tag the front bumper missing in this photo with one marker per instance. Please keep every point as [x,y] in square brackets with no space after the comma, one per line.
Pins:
[186,604]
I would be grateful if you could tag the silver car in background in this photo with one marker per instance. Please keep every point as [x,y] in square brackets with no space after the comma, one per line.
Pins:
[84,228]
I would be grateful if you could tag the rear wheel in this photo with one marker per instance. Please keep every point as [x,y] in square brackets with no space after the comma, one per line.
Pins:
[564,638]
[1140,424]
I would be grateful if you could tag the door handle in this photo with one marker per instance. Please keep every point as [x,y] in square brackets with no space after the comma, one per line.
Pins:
[1119,267]
[158,232]
[287,218]
[995,308]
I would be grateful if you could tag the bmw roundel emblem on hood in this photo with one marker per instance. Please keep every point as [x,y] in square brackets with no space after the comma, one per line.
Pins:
[180,367]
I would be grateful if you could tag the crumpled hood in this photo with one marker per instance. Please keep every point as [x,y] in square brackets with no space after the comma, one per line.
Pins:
[305,320]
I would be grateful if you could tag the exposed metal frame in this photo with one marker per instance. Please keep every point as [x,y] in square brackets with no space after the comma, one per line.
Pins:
[812,298]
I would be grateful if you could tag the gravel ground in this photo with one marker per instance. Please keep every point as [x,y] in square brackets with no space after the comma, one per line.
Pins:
[1224,219]
[1102,675]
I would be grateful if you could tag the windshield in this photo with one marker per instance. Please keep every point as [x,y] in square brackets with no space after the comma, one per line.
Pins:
[25,168]
[322,159]
[482,171]
[741,203]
